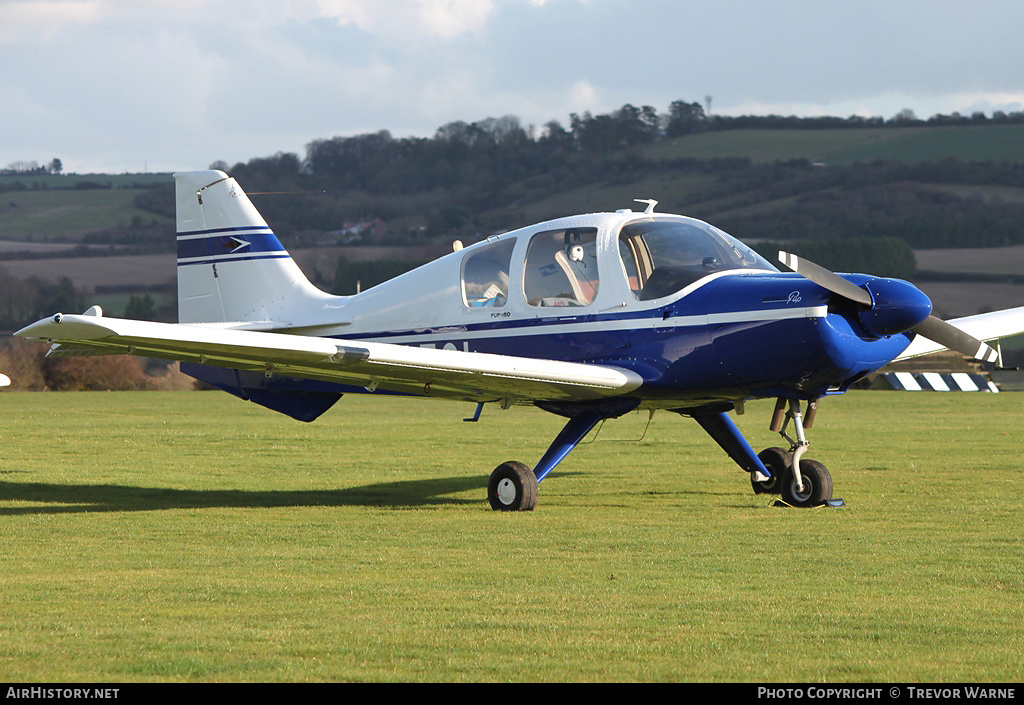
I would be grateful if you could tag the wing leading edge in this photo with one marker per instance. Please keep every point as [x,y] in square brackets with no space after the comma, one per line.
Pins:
[449,374]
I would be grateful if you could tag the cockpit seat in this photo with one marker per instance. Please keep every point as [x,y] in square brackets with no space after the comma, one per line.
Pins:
[668,279]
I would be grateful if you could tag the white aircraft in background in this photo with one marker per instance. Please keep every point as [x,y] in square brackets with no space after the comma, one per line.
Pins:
[588,317]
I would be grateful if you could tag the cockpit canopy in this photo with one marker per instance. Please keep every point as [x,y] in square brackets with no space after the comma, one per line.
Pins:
[662,257]
[563,267]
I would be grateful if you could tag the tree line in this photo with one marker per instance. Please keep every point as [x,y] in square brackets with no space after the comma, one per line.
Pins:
[493,152]
[25,300]
[54,166]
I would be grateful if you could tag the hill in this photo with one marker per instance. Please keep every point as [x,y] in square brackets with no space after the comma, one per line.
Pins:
[934,186]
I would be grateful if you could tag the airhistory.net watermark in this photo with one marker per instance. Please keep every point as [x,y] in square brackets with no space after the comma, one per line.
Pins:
[49,693]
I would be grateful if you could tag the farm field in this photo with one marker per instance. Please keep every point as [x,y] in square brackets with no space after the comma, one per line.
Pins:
[143,271]
[194,537]
[993,143]
[63,216]
[955,299]
[978,260]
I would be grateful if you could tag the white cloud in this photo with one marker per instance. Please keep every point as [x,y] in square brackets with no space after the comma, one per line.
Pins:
[989,102]
[582,97]
[411,20]
[31,20]
[181,83]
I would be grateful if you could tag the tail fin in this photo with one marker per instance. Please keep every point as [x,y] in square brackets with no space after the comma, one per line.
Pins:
[231,266]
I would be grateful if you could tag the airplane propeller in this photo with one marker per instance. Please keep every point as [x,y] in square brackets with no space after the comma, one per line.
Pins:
[893,306]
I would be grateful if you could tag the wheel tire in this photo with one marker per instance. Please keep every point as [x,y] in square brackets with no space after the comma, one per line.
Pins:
[817,485]
[512,488]
[778,461]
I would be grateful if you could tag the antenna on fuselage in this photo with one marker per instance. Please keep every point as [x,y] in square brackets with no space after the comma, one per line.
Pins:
[651,203]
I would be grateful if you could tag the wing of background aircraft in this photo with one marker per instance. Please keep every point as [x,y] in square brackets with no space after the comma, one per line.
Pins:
[985,326]
[450,374]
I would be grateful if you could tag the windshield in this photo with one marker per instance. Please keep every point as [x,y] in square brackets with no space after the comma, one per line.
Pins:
[662,257]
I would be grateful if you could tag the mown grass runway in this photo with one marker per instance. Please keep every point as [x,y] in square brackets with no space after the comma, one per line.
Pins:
[194,537]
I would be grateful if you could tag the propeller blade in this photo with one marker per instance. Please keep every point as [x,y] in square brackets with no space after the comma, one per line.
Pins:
[933,328]
[824,278]
[953,338]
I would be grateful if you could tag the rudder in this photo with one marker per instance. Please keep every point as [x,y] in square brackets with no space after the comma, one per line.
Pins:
[231,266]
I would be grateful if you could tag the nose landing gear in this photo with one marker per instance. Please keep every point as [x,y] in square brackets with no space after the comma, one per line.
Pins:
[800,481]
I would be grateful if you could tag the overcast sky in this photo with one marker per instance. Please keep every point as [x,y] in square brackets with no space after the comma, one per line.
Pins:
[162,85]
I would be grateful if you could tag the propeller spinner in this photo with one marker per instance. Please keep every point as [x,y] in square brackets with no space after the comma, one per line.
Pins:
[892,306]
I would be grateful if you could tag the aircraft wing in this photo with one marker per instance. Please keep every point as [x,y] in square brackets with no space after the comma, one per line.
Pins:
[450,374]
[984,326]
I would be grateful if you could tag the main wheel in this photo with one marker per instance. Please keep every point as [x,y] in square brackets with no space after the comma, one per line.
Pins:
[512,488]
[778,461]
[817,485]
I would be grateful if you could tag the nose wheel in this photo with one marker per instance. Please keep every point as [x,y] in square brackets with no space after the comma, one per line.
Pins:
[813,488]
[800,481]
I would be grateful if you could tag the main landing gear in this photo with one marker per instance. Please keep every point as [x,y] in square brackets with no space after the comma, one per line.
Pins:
[800,481]
[513,485]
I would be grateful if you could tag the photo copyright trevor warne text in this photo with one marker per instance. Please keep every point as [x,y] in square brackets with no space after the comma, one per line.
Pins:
[903,692]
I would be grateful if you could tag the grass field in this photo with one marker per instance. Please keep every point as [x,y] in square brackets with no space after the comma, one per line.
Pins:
[194,537]
[994,143]
[63,216]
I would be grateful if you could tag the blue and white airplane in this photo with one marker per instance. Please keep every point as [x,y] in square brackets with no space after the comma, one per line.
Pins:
[588,317]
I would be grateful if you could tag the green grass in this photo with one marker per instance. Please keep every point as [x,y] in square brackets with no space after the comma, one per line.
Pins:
[194,537]
[65,215]
[69,180]
[982,143]
[996,143]
[761,145]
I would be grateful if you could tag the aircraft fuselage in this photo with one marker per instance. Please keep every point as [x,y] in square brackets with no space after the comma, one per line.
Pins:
[725,325]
